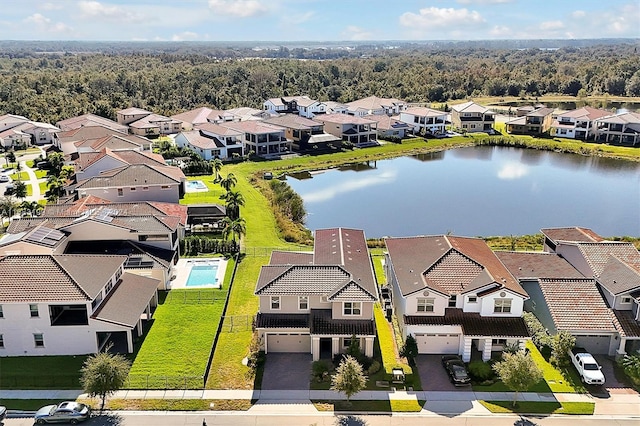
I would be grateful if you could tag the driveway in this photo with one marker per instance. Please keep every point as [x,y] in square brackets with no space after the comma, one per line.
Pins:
[613,384]
[287,371]
[433,376]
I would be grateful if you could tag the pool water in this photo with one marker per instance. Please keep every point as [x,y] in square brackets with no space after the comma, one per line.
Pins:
[196,184]
[202,275]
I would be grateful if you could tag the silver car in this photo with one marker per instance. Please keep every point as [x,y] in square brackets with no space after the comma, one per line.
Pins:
[65,412]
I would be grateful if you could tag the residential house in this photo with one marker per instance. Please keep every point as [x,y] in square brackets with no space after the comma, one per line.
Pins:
[129,115]
[578,123]
[192,118]
[472,117]
[305,133]
[9,121]
[563,299]
[300,105]
[615,267]
[90,164]
[454,296]
[359,131]
[96,138]
[262,138]
[374,105]
[425,120]
[14,138]
[619,129]
[535,122]
[16,130]
[212,141]
[332,107]
[246,114]
[71,304]
[135,182]
[316,302]
[390,127]
[153,125]
[205,217]
[89,120]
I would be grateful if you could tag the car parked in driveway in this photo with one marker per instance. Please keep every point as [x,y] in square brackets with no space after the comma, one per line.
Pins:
[456,369]
[66,412]
[3,413]
[4,179]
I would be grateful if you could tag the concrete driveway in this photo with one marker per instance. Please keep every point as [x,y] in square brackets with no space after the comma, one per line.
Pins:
[433,376]
[612,384]
[287,371]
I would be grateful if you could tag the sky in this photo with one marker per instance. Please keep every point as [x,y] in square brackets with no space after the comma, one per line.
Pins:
[317,20]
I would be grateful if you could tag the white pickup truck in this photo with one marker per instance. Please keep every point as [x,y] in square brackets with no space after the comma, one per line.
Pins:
[588,368]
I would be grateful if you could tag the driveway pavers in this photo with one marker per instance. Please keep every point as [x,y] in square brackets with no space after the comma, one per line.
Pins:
[287,371]
[433,376]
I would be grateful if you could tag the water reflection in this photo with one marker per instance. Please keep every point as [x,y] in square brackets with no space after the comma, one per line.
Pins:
[512,171]
[359,167]
[346,186]
[429,156]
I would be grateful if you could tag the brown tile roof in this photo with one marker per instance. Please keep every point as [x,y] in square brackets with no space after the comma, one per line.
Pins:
[537,265]
[447,264]
[114,142]
[586,113]
[387,123]
[627,325]
[128,300]
[86,133]
[90,120]
[473,324]
[134,174]
[322,322]
[619,277]
[294,121]
[597,255]
[576,305]
[424,112]
[282,320]
[343,119]
[374,102]
[198,115]
[575,234]
[290,258]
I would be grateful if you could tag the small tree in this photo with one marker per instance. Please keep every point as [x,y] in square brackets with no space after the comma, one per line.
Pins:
[518,372]
[216,165]
[10,157]
[561,344]
[410,349]
[103,374]
[20,190]
[354,348]
[631,366]
[349,378]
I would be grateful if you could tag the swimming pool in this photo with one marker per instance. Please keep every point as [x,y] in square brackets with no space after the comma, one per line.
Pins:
[195,186]
[203,275]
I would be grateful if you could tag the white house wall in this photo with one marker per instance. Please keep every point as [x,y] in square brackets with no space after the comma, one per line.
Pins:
[153,193]
[439,304]
[573,255]
[487,304]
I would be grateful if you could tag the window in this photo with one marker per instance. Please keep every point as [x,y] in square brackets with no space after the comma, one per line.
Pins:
[1,341]
[165,187]
[352,308]
[120,192]
[38,340]
[34,311]
[625,300]
[132,189]
[452,301]
[473,299]
[498,342]
[275,303]
[502,306]
[145,188]
[303,303]
[425,305]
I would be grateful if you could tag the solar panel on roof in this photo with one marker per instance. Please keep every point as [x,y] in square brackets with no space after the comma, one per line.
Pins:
[46,236]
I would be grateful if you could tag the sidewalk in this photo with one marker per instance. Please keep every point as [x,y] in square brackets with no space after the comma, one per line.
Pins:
[297,401]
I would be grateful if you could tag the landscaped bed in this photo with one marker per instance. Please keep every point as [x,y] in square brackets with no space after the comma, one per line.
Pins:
[396,406]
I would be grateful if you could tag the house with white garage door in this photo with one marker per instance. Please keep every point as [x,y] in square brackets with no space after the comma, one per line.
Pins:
[454,295]
[316,302]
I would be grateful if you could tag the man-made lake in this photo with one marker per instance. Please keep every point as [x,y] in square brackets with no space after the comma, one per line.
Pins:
[477,191]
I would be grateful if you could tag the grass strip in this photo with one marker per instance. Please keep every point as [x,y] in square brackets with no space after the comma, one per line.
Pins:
[382,406]
[534,407]
[174,404]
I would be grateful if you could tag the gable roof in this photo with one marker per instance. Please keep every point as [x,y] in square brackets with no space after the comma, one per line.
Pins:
[198,115]
[597,255]
[294,121]
[449,265]
[619,277]
[471,107]
[574,233]
[523,265]
[344,119]
[424,112]
[371,103]
[90,120]
[218,129]
[201,140]
[127,300]
[585,113]
[576,304]
[133,175]
[389,123]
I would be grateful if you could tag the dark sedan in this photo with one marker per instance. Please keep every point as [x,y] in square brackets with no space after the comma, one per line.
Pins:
[456,369]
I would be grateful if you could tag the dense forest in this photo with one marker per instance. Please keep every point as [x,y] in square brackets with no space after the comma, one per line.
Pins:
[50,86]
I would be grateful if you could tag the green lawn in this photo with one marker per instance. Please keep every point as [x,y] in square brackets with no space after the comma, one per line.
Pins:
[532,407]
[27,404]
[41,372]
[176,348]
[385,406]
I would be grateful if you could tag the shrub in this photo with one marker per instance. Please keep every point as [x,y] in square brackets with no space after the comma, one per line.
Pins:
[480,370]
[539,335]
[321,369]
[561,344]
[374,367]
[410,349]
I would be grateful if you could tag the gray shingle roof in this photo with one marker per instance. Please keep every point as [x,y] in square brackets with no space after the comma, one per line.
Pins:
[575,233]
[135,174]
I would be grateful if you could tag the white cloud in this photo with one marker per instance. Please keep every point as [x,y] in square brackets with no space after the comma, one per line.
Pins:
[578,14]
[551,25]
[434,17]
[513,171]
[37,19]
[500,31]
[349,186]
[50,6]
[184,36]
[356,33]
[238,8]
[484,1]
[94,9]
[44,24]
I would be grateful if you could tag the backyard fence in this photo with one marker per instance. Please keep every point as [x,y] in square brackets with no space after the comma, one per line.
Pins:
[235,323]
[147,381]
[208,296]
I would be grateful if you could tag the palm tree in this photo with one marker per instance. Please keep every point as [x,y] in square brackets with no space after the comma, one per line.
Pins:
[234,228]
[20,190]
[30,207]
[228,182]
[10,157]
[8,207]
[56,161]
[233,202]
[217,166]
[56,188]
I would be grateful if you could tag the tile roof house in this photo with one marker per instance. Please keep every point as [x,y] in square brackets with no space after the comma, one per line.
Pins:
[305,133]
[90,120]
[537,121]
[390,127]
[192,118]
[212,140]
[374,105]
[96,138]
[563,299]
[71,304]
[619,129]
[303,106]
[425,120]
[135,182]
[91,164]
[577,123]
[315,302]
[155,125]
[16,130]
[472,117]
[360,131]
[615,268]
[454,295]
[262,138]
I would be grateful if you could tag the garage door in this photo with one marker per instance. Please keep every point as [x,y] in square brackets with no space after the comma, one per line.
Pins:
[594,344]
[289,343]
[438,343]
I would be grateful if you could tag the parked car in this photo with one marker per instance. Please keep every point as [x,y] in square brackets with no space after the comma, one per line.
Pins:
[456,369]
[9,189]
[4,179]
[65,412]
[588,368]
[3,413]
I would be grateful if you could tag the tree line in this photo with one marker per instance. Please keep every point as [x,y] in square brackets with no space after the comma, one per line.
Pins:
[52,86]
